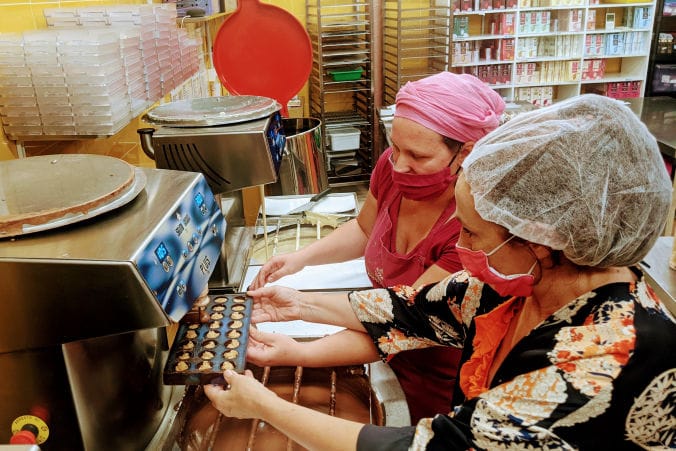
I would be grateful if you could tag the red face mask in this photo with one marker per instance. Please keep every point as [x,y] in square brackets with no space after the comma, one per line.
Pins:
[423,186]
[476,263]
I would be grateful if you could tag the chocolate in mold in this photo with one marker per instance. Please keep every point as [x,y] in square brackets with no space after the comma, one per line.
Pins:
[184,356]
[233,334]
[188,345]
[213,333]
[190,334]
[210,344]
[207,355]
[204,349]
[206,365]
[230,354]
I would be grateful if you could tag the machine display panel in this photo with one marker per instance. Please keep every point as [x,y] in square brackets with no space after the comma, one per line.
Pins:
[276,139]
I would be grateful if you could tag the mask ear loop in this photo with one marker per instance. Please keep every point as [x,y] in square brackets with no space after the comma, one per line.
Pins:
[488,254]
[455,157]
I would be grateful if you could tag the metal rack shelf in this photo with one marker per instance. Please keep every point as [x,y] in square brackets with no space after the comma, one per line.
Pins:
[415,43]
[341,32]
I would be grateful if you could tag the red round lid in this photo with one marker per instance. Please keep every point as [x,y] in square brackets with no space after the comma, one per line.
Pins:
[263,50]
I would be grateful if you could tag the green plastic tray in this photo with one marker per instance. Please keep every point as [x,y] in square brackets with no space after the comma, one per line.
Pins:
[346,74]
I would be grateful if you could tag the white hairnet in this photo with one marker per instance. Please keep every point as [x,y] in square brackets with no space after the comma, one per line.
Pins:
[584,176]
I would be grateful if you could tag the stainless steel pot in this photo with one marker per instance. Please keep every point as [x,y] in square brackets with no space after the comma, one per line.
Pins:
[303,167]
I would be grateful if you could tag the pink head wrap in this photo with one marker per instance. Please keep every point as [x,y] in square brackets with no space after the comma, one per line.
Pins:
[460,107]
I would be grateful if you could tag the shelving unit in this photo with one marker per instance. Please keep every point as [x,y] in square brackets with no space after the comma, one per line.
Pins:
[541,51]
[662,68]
[341,35]
[415,42]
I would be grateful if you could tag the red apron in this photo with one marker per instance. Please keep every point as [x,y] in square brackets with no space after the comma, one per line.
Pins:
[427,376]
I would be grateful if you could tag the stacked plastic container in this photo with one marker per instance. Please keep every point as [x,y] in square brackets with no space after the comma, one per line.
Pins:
[18,101]
[93,71]
[96,81]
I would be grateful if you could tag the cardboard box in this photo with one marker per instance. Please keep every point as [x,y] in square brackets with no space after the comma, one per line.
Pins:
[507,23]
[591,19]
[461,26]
[507,50]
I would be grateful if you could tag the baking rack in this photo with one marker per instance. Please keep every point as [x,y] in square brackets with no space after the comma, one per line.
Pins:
[416,42]
[341,33]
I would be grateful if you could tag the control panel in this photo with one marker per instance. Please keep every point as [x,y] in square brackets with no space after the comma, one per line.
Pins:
[180,254]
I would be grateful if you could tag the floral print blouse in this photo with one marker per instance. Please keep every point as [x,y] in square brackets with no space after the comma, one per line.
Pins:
[600,373]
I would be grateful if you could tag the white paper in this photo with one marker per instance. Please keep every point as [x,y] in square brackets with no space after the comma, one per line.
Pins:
[331,203]
[349,275]
[299,329]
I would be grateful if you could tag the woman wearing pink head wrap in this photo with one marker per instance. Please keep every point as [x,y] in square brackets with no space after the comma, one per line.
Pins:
[405,229]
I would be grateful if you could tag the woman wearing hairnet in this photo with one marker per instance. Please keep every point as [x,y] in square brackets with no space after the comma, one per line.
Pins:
[566,346]
[405,230]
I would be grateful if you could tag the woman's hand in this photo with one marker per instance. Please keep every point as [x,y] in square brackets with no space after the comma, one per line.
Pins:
[266,349]
[248,398]
[276,303]
[276,268]
[244,398]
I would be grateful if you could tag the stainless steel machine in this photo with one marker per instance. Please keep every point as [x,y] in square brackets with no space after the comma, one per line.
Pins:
[235,141]
[88,291]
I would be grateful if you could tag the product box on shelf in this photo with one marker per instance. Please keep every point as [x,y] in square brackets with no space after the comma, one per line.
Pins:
[461,26]
[507,23]
[570,20]
[507,50]
[593,69]
[591,19]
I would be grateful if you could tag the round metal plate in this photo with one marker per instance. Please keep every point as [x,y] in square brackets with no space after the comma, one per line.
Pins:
[50,191]
[211,111]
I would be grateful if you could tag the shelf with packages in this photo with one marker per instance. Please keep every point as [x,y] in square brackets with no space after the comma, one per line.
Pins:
[415,42]
[541,51]
[341,85]
[662,69]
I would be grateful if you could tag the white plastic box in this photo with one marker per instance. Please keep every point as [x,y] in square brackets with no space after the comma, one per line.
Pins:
[344,138]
